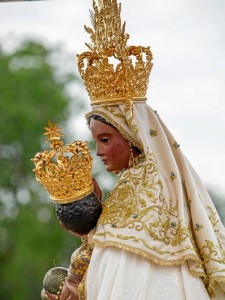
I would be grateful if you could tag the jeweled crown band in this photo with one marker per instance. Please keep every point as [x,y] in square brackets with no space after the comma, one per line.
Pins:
[79,195]
[117,101]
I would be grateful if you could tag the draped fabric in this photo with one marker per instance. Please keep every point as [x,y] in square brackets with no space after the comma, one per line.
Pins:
[159,211]
[120,275]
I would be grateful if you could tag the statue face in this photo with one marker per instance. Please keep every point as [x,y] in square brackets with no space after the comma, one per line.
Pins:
[111,146]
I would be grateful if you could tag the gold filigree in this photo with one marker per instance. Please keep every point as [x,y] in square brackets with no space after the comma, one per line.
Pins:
[82,288]
[52,132]
[176,145]
[80,260]
[138,218]
[153,132]
[150,256]
[214,218]
[65,171]
[112,71]
[126,206]
[198,226]
[212,252]
[173,176]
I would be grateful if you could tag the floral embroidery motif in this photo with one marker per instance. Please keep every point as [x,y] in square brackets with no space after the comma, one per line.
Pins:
[211,252]
[79,262]
[153,132]
[173,224]
[135,129]
[176,145]
[198,227]
[127,207]
[173,176]
[214,219]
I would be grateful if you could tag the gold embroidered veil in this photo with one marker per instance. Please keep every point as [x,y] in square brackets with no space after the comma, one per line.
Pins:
[159,209]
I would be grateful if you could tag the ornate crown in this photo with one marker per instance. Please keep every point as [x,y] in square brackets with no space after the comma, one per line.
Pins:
[65,172]
[125,78]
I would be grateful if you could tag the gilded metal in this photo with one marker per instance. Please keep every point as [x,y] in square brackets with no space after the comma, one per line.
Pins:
[113,72]
[65,171]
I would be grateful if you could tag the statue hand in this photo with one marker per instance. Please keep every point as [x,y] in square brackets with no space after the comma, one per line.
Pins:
[69,292]
[47,296]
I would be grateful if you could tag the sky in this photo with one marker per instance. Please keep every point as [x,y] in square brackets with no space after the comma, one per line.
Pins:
[187,83]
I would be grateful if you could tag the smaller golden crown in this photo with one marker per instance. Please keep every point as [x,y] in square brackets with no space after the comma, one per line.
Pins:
[113,72]
[65,171]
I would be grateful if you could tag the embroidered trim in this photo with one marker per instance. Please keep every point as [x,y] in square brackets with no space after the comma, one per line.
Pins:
[82,288]
[148,255]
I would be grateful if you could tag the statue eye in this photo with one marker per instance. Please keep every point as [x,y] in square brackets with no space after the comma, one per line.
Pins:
[105,140]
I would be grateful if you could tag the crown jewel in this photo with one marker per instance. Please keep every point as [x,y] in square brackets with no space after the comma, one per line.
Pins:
[113,72]
[65,171]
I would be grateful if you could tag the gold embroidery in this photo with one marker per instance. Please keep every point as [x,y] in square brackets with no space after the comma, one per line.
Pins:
[214,218]
[152,257]
[173,176]
[137,217]
[140,251]
[211,252]
[158,218]
[176,145]
[153,132]
[198,270]
[135,129]
[79,262]
[198,227]
[82,288]
[211,282]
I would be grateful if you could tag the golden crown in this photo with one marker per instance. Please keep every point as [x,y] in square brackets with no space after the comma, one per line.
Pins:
[126,78]
[65,171]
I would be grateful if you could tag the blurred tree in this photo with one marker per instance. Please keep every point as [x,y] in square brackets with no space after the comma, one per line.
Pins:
[32,91]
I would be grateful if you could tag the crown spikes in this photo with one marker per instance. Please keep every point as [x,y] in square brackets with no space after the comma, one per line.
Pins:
[92,18]
[100,2]
[65,171]
[113,72]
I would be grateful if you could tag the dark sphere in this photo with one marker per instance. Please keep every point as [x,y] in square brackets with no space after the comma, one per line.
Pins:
[80,216]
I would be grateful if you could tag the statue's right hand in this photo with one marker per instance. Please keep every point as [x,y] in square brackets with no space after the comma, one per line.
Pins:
[44,296]
[69,291]
[47,296]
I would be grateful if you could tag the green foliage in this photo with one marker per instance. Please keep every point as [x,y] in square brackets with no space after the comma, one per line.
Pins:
[30,95]
[32,92]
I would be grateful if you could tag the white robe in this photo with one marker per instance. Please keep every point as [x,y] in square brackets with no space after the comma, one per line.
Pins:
[158,214]
[115,274]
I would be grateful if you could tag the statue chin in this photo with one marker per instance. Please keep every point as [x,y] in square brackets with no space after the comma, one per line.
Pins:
[53,279]
[80,216]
